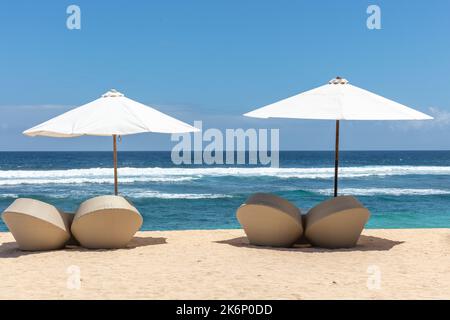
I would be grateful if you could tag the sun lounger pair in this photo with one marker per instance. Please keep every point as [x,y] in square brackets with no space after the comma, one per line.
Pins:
[103,222]
[269,220]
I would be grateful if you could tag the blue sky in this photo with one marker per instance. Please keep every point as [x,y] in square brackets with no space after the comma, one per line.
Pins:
[215,60]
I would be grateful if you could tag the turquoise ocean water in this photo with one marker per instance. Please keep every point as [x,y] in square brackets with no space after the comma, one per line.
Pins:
[403,189]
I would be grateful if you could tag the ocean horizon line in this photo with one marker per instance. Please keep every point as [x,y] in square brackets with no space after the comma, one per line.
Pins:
[311,150]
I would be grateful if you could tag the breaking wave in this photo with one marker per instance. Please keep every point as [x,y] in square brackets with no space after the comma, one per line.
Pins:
[177,175]
[162,195]
[385,191]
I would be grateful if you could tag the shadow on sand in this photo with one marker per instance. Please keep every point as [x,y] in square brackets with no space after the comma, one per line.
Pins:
[365,243]
[11,250]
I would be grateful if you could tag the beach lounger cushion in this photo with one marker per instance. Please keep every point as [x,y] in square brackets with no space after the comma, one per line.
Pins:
[37,225]
[106,222]
[269,220]
[336,223]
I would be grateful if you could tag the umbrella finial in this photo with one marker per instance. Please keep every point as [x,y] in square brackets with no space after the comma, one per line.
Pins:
[338,80]
[112,93]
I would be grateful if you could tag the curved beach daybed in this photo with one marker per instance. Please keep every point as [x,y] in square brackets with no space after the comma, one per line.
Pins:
[106,222]
[336,223]
[269,220]
[37,225]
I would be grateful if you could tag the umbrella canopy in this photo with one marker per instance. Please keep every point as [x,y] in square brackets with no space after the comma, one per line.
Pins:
[112,114]
[338,100]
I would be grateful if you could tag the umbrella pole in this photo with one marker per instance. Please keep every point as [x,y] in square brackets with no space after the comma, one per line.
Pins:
[336,160]
[116,191]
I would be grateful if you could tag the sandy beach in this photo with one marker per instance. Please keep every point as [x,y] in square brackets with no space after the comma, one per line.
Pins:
[219,264]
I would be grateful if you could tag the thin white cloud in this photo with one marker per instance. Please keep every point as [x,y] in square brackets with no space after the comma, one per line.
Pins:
[35,107]
[441,120]
[441,117]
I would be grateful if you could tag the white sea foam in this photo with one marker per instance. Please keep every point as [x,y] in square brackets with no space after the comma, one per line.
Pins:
[175,175]
[67,179]
[385,191]
[9,195]
[162,195]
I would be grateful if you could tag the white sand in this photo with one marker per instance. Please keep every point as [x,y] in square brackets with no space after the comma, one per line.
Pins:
[219,264]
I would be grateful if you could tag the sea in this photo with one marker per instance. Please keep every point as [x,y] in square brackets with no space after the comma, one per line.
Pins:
[402,189]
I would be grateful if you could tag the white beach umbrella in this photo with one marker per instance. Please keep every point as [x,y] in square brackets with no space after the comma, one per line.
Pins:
[112,114]
[338,100]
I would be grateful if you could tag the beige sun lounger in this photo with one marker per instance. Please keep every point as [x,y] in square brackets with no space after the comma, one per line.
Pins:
[106,222]
[336,223]
[269,220]
[37,225]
